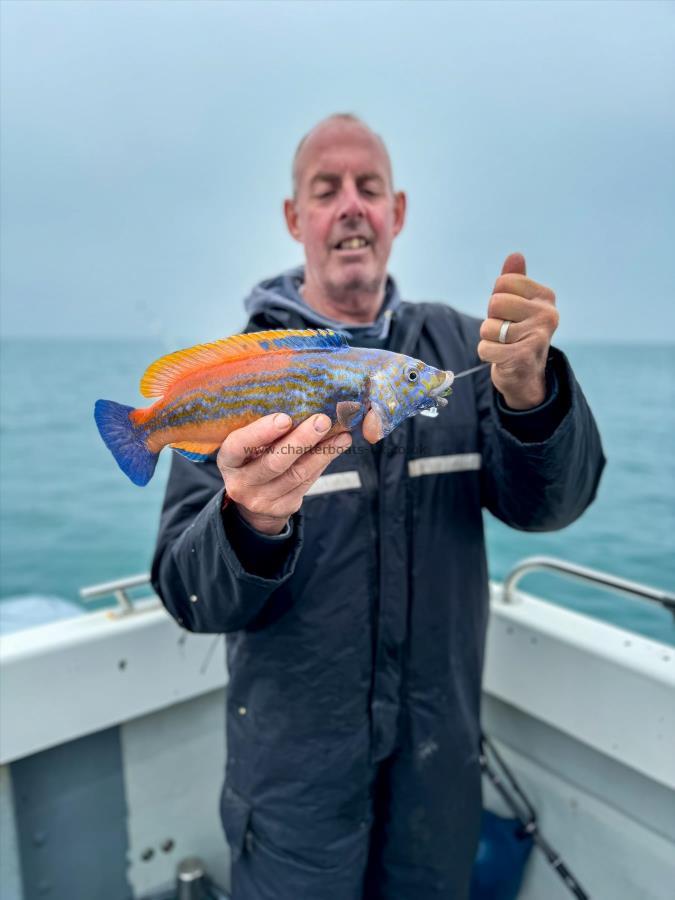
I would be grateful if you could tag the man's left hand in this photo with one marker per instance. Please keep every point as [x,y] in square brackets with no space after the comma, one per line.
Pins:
[519,365]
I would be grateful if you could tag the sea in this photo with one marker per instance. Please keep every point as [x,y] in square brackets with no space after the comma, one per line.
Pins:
[69,518]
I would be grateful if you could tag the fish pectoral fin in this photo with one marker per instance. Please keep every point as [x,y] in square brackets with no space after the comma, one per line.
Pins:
[196,451]
[373,427]
[349,413]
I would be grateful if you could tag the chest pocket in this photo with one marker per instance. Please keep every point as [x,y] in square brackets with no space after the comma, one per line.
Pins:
[340,530]
[444,470]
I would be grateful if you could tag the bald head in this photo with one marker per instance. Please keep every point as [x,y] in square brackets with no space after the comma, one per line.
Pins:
[335,127]
[345,213]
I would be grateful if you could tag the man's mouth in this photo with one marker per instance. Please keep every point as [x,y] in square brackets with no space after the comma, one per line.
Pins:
[352,243]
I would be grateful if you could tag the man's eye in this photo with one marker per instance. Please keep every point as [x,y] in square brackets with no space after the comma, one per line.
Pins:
[324,194]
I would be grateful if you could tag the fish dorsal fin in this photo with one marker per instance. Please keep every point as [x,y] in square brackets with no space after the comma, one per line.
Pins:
[165,372]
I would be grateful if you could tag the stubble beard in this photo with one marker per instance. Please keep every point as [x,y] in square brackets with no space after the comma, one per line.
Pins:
[347,294]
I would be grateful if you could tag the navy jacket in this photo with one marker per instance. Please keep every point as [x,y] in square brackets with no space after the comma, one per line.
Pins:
[373,614]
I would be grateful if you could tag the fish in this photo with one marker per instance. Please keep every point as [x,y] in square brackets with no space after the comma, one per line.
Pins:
[205,392]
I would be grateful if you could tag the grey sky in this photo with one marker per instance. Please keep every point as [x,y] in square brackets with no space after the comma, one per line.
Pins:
[146,152]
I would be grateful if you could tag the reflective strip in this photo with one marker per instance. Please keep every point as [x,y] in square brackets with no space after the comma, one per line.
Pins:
[434,465]
[338,481]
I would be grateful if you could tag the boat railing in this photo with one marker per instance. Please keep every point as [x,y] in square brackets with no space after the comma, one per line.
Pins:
[118,588]
[587,575]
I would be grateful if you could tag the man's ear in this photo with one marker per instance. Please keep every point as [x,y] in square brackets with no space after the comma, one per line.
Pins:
[400,206]
[291,216]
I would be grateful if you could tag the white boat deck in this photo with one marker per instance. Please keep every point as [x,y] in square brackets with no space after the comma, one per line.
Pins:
[583,711]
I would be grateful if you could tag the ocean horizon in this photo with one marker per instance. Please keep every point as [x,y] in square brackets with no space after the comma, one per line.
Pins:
[69,518]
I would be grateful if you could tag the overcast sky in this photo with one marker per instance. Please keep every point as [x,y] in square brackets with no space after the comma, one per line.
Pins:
[146,151]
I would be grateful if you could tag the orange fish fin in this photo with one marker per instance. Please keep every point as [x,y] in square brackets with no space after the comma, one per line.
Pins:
[195,451]
[195,447]
[165,372]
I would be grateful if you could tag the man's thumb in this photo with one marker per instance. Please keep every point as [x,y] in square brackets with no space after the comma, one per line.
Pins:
[514,264]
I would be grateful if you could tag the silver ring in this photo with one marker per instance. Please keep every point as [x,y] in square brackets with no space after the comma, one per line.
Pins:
[503,331]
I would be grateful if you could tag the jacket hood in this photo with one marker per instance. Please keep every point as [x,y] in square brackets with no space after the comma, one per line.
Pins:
[283,292]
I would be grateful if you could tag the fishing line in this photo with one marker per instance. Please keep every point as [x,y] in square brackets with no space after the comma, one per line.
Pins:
[209,654]
[471,371]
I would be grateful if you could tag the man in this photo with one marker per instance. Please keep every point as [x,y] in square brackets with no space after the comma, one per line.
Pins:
[355,604]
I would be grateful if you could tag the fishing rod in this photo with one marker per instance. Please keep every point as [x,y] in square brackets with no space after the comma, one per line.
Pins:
[505,783]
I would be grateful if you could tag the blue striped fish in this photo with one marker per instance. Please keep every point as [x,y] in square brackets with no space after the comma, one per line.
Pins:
[205,392]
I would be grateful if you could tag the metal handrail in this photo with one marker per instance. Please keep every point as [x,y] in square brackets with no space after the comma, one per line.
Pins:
[583,573]
[119,588]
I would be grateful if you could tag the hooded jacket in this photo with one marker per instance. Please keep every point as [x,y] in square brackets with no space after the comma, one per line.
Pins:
[367,621]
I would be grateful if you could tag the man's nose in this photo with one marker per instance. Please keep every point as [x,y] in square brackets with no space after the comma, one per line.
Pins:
[351,202]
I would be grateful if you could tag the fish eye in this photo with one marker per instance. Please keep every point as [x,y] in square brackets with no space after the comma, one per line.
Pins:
[412,375]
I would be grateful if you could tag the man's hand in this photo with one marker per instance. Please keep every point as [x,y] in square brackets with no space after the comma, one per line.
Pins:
[518,366]
[268,469]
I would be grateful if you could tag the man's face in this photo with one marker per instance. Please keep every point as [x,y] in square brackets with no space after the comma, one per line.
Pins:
[345,212]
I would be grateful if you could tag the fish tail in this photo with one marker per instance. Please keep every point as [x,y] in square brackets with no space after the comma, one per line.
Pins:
[125,441]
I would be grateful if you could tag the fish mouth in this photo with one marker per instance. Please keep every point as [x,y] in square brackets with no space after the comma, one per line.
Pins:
[442,387]
[438,394]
